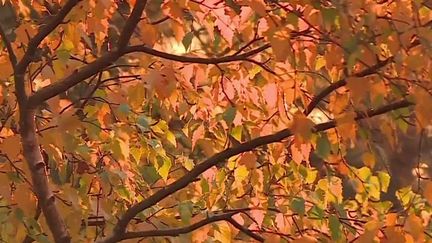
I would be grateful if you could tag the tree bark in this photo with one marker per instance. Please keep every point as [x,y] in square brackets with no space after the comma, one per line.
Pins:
[33,156]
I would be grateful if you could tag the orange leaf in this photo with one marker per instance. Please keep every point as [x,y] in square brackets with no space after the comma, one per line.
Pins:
[359,88]
[369,159]
[248,159]
[414,226]
[302,128]
[11,146]
[427,192]
[346,126]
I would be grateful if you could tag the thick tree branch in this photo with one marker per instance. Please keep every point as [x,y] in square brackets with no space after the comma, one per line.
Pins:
[220,157]
[9,48]
[180,230]
[43,32]
[92,68]
[76,77]
[30,144]
[131,24]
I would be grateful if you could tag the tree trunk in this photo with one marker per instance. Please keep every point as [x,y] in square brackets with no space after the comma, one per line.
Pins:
[33,156]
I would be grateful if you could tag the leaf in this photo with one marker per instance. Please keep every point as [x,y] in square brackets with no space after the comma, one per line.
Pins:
[136,153]
[427,192]
[335,227]
[369,159]
[359,88]
[384,179]
[163,82]
[149,34]
[187,40]
[248,159]
[165,168]
[281,45]
[171,138]
[258,6]
[185,209]
[229,114]
[150,174]
[241,173]
[298,205]
[346,126]
[323,147]
[223,232]
[414,226]
[302,128]
[11,146]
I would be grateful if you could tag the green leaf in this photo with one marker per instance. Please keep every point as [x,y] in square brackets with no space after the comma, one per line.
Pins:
[19,214]
[124,108]
[229,114]
[316,212]
[150,174]
[329,15]
[185,209]
[123,192]
[143,123]
[323,147]
[334,226]
[187,40]
[298,205]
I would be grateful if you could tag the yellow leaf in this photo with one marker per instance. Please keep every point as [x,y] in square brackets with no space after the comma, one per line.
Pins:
[223,233]
[241,173]
[320,62]
[59,69]
[136,96]
[171,138]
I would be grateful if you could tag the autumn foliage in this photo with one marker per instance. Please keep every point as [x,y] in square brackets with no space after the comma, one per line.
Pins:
[215,121]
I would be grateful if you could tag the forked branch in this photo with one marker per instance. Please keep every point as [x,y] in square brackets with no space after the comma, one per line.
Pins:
[220,157]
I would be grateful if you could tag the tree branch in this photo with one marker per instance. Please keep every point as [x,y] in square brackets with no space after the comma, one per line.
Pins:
[43,32]
[131,24]
[368,71]
[91,69]
[9,48]
[245,230]
[220,157]
[181,230]
[200,60]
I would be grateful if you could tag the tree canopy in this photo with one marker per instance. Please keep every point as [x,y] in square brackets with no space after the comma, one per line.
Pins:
[215,120]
